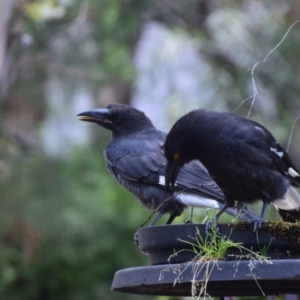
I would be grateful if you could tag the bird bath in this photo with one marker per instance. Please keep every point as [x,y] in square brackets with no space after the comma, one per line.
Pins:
[174,270]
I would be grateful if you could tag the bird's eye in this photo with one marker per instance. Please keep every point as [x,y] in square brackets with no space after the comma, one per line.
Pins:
[176,156]
[118,119]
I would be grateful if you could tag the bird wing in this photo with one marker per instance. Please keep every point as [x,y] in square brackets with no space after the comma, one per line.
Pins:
[195,178]
[141,158]
[259,137]
[283,163]
[137,157]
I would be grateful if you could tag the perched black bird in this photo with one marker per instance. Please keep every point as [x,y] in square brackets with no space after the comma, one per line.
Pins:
[134,156]
[241,156]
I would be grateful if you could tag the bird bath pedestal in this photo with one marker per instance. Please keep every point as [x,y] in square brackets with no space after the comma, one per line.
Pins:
[175,270]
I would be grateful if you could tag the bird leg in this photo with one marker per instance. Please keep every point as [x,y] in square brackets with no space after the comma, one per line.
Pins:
[171,219]
[214,221]
[257,223]
[158,216]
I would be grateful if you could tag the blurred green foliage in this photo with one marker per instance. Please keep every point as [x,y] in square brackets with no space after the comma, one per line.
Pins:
[64,220]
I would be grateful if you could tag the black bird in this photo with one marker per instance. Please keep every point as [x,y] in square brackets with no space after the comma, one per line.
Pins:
[241,156]
[135,157]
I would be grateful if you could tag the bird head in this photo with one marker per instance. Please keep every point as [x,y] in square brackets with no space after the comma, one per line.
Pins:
[173,166]
[179,148]
[121,119]
[175,159]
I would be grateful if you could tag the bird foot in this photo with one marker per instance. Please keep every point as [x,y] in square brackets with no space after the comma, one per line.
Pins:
[257,224]
[211,224]
[136,239]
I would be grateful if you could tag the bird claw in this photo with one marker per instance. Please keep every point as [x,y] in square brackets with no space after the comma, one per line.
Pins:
[136,239]
[257,224]
[211,224]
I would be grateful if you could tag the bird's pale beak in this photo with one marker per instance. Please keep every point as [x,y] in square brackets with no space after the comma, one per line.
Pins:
[95,115]
[171,173]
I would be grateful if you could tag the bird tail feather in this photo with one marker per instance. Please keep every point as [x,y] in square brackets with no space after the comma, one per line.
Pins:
[290,201]
[288,207]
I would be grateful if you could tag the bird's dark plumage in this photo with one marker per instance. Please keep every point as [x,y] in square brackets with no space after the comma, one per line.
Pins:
[242,157]
[135,157]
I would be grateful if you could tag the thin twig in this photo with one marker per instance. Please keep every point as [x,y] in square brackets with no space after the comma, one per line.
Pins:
[155,210]
[291,132]
[255,88]
[242,103]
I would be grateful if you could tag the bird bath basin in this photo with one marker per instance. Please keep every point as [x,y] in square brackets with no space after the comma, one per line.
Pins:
[238,275]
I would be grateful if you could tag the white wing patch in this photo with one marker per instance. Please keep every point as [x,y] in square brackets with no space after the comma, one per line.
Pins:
[191,199]
[293,173]
[278,153]
[197,201]
[162,181]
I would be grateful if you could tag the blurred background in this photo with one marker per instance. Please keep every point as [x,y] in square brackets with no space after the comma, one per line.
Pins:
[65,225]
